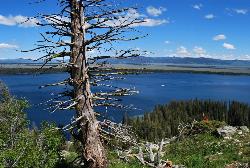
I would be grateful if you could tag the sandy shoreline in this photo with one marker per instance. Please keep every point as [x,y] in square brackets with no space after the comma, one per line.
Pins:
[190,69]
[35,68]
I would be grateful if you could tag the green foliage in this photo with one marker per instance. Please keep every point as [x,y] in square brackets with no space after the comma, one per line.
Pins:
[199,149]
[114,162]
[21,146]
[164,120]
[208,151]
[204,127]
[25,148]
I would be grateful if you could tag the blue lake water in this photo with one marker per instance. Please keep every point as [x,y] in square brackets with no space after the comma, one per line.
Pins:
[154,88]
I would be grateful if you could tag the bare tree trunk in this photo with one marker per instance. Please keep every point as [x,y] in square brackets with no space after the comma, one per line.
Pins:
[93,150]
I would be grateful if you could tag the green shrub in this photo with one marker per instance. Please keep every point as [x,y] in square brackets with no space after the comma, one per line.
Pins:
[21,146]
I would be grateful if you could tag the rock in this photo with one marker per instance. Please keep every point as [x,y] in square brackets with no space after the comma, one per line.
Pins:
[178,166]
[65,153]
[237,165]
[236,140]
[169,164]
[227,137]
[227,131]
[244,129]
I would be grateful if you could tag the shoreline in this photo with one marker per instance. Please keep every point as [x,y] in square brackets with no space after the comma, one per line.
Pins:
[184,69]
[36,69]
[15,69]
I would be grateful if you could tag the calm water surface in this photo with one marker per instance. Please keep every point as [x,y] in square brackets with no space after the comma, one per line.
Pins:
[154,88]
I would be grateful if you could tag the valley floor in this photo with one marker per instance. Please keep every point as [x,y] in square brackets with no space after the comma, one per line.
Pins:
[185,68]
[31,68]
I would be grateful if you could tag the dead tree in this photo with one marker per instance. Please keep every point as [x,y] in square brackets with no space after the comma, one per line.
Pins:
[81,27]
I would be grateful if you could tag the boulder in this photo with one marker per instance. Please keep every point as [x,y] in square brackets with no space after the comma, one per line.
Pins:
[237,165]
[244,129]
[226,131]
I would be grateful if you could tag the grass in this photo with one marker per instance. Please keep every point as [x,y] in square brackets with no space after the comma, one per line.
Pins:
[200,150]
[209,151]
[114,162]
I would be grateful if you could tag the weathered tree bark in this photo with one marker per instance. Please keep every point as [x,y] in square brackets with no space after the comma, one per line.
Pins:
[93,150]
[90,28]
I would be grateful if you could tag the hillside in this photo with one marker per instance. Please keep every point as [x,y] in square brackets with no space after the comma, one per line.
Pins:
[200,145]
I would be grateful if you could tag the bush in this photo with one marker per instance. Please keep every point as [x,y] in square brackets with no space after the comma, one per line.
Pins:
[21,146]
[204,127]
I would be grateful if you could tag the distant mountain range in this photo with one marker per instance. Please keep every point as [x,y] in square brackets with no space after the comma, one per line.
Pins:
[21,61]
[181,61]
[154,60]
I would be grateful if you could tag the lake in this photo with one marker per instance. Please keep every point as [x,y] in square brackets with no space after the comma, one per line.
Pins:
[154,88]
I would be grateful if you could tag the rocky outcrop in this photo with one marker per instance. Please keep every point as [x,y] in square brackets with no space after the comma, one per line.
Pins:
[228,131]
[238,165]
[244,129]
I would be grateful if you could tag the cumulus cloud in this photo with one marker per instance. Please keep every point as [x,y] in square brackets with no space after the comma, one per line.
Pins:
[219,37]
[133,14]
[245,57]
[229,46]
[241,11]
[155,11]
[182,51]
[197,6]
[8,46]
[209,16]
[199,51]
[152,22]
[19,20]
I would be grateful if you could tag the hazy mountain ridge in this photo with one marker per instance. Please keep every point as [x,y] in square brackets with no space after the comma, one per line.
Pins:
[152,60]
[22,61]
[181,61]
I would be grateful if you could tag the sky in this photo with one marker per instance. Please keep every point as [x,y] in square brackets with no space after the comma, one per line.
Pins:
[182,28]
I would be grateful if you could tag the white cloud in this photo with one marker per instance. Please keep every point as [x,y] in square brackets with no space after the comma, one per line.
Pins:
[153,22]
[229,46]
[182,51]
[167,42]
[55,18]
[29,57]
[8,46]
[219,37]
[19,20]
[215,56]
[241,11]
[197,6]
[133,14]
[232,57]
[155,11]
[245,57]
[199,51]
[209,16]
